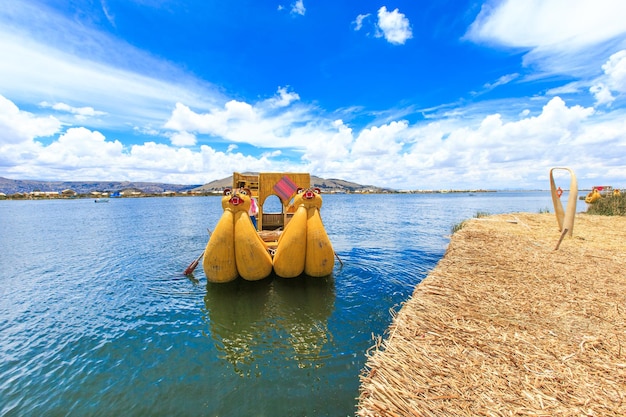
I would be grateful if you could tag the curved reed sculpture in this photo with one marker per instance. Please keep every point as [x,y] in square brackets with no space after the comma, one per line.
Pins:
[565,219]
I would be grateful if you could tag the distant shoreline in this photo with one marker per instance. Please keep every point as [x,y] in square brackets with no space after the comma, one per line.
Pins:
[54,195]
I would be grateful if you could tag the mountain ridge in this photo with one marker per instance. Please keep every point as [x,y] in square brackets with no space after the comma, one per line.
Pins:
[13,186]
[10,186]
[325,184]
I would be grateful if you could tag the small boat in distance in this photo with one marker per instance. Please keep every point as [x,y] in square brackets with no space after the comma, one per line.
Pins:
[101,200]
[600,191]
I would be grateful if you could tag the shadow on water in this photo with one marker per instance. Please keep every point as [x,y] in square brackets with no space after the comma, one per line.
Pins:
[250,321]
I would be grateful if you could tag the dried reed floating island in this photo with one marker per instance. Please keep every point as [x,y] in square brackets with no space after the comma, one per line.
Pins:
[506,325]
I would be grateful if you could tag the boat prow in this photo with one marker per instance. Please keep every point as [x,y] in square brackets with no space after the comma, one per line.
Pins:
[289,243]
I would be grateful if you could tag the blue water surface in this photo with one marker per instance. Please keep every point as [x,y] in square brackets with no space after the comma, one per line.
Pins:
[97,318]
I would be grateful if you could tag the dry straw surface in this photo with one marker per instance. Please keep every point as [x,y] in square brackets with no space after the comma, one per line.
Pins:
[506,325]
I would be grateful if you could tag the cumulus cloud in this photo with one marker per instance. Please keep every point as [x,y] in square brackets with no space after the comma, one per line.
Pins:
[602,94]
[379,141]
[83,154]
[393,26]
[295,8]
[217,122]
[615,70]
[17,126]
[298,8]
[271,123]
[613,80]
[80,147]
[283,99]
[183,139]
[450,152]
[458,145]
[496,151]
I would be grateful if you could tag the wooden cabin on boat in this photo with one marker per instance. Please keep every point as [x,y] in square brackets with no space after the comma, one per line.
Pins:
[268,185]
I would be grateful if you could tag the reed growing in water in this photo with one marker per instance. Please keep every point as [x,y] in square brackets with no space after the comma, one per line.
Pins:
[458,226]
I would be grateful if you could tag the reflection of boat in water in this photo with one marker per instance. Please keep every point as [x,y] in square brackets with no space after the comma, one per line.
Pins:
[245,319]
[235,313]
[304,306]
[290,242]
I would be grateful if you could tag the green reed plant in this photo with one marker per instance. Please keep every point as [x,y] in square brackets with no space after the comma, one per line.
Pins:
[458,226]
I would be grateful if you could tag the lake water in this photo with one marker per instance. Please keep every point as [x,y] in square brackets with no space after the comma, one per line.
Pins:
[97,319]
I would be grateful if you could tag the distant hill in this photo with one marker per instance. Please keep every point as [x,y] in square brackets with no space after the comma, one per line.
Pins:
[326,185]
[9,186]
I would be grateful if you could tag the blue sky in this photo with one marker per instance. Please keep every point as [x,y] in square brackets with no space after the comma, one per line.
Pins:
[405,94]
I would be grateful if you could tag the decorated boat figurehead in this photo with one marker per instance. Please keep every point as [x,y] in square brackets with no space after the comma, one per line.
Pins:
[593,196]
[304,246]
[235,248]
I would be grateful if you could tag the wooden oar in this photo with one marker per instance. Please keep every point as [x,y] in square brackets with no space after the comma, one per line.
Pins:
[192,266]
[337,256]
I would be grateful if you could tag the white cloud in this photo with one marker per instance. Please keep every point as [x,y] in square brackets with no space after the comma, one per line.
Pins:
[83,154]
[81,113]
[358,22]
[379,141]
[615,70]
[219,122]
[271,123]
[494,151]
[613,80]
[563,37]
[497,150]
[298,8]
[458,149]
[602,94]
[80,148]
[393,26]
[284,98]
[17,126]
[550,24]
[505,79]
[78,66]
[183,139]
[105,9]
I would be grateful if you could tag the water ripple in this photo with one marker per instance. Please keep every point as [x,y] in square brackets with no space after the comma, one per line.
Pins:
[97,319]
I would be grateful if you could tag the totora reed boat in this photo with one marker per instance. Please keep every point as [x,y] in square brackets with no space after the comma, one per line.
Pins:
[599,191]
[249,242]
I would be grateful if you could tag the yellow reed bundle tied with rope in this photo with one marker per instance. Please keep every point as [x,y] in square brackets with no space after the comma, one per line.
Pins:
[219,255]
